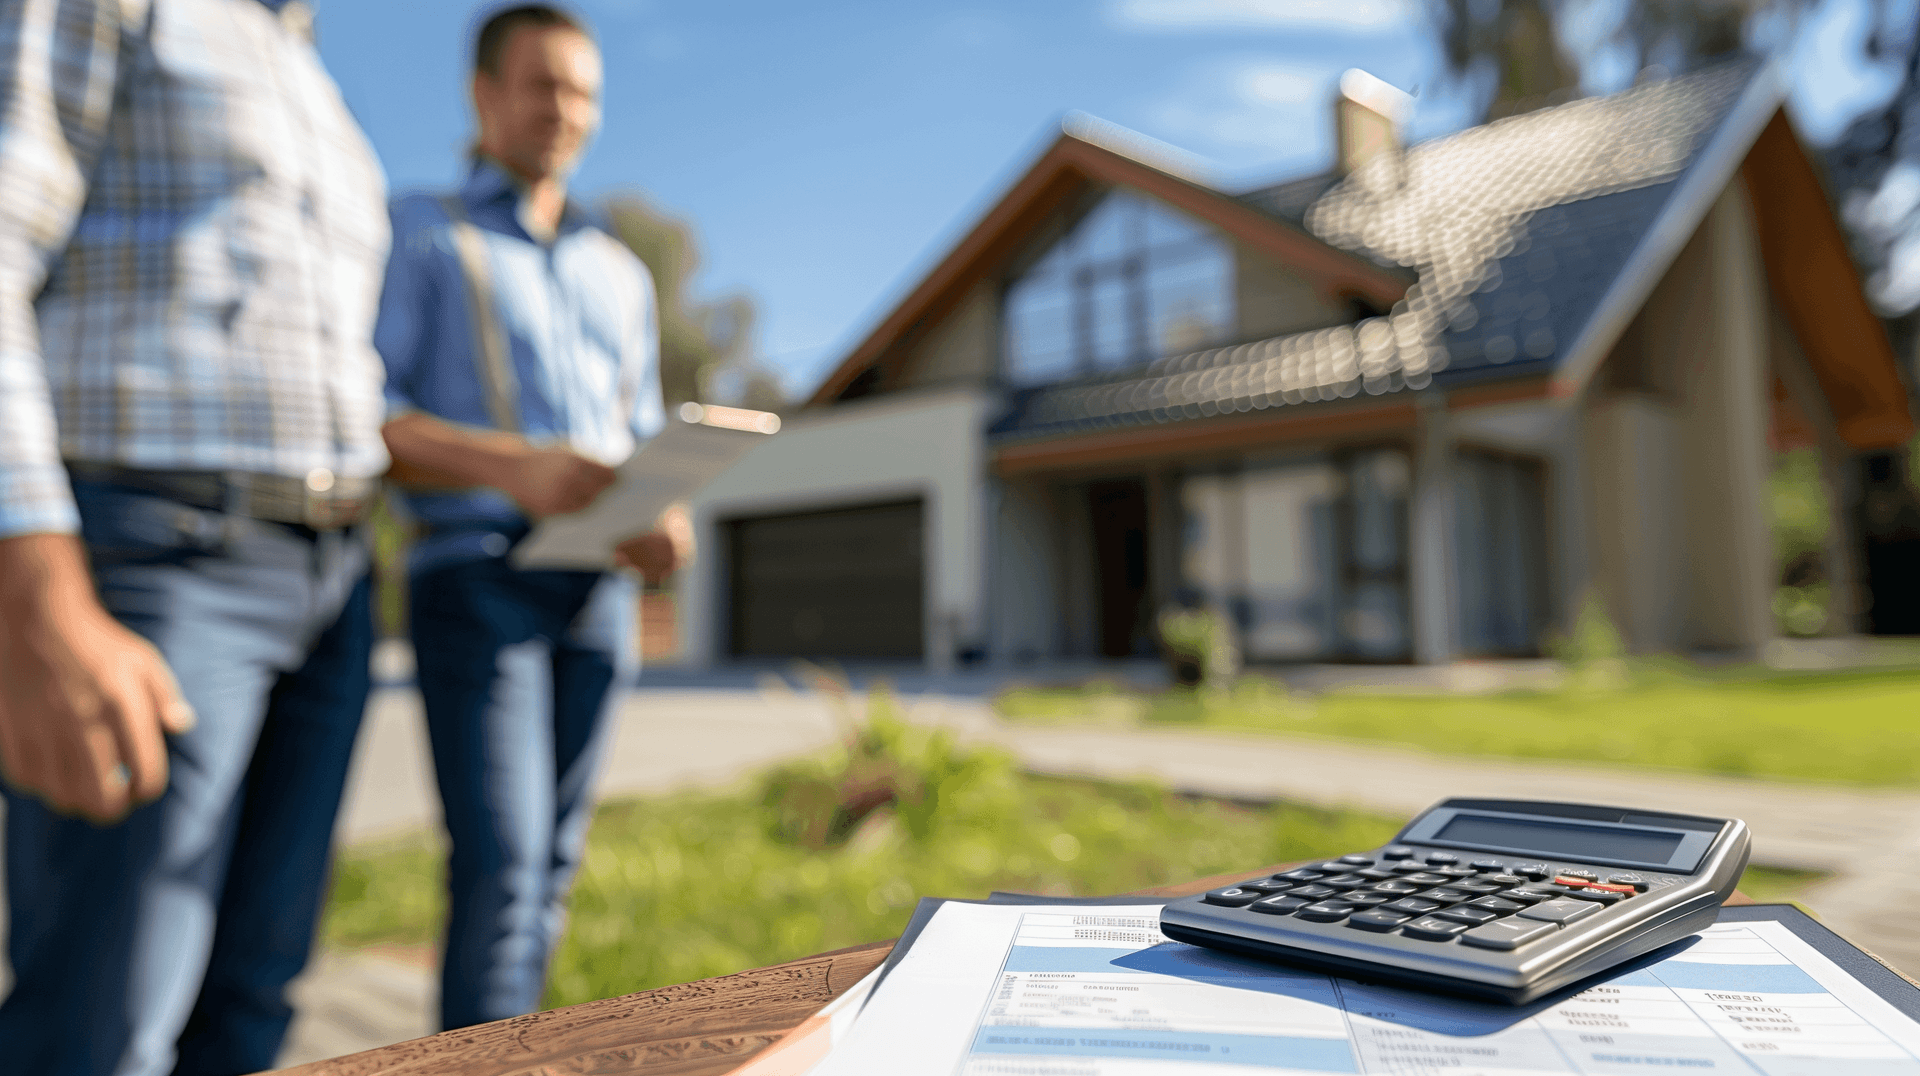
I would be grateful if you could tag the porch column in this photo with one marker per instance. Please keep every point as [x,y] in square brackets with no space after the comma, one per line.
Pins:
[1430,561]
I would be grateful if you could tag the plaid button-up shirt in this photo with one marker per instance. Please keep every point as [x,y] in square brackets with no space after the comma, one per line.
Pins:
[192,232]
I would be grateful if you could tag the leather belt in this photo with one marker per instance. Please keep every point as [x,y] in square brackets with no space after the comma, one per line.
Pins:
[322,500]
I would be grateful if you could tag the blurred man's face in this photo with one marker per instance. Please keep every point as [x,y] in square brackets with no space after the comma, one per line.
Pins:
[537,114]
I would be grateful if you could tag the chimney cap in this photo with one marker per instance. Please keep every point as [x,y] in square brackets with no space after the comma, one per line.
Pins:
[1371,91]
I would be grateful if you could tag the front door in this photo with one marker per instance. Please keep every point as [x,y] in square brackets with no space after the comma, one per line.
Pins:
[1119,514]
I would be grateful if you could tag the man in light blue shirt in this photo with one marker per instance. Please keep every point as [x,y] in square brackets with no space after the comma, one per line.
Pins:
[522,364]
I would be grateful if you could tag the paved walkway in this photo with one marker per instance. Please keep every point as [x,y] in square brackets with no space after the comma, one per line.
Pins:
[676,738]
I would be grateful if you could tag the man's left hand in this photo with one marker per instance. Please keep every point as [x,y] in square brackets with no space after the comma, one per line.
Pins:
[658,552]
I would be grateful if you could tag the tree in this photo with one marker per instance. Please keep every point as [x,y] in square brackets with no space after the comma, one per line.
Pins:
[705,348]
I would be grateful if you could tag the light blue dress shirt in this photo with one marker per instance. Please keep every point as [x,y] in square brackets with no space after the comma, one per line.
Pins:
[578,315]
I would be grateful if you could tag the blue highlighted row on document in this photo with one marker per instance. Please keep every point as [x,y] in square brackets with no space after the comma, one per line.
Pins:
[1733,1002]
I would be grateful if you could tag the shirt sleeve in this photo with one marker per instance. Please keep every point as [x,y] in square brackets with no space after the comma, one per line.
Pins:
[58,63]
[408,301]
[641,369]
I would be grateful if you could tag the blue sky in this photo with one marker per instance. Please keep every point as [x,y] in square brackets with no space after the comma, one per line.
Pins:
[828,153]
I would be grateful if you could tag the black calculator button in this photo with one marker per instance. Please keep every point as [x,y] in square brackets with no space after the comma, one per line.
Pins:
[1489,864]
[1442,857]
[1331,866]
[1467,913]
[1398,851]
[1358,860]
[1559,911]
[1507,934]
[1628,878]
[1503,879]
[1476,888]
[1377,919]
[1313,892]
[1302,875]
[1346,881]
[1426,878]
[1497,905]
[1279,905]
[1540,890]
[1432,928]
[1326,911]
[1376,874]
[1456,872]
[1366,900]
[1234,897]
[1445,895]
[1400,886]
[1598,896]
[1585,876]
[1410,867]
[1269,885]
[1532,870]
[1411,906]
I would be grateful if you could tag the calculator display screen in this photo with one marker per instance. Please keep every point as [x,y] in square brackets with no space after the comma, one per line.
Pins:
[1569,840]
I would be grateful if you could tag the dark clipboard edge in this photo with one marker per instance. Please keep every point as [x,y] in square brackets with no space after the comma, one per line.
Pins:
[1863,966]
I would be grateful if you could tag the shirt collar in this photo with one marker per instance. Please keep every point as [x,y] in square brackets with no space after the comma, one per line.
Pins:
[488,182]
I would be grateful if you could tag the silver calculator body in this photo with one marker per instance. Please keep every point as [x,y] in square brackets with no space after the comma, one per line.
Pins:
[1506,900]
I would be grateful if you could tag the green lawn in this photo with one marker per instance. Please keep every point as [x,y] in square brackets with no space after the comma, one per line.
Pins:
[690,886]
[1858,727]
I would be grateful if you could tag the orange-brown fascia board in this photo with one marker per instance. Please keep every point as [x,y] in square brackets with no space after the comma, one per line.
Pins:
[1813,280]
[1294,424]
[1066,168]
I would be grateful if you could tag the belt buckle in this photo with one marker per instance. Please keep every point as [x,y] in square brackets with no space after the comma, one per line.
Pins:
[322,511]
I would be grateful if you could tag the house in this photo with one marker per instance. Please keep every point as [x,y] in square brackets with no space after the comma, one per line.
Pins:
[1425,406]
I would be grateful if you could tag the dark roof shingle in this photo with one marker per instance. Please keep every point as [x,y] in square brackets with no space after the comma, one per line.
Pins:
[1516,228]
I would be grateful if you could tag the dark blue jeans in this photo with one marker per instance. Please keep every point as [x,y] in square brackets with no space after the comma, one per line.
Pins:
[517,670]
[165,943]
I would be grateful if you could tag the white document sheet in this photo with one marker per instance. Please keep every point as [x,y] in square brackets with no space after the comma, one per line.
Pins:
[693,450]
[1007,990]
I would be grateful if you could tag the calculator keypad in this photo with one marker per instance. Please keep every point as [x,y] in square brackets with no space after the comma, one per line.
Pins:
[1489,903]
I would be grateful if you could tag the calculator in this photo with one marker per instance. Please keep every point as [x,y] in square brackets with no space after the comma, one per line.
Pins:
[1506,900]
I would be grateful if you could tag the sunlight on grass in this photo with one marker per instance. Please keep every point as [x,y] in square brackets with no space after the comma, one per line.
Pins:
[690,886]
[1855,727]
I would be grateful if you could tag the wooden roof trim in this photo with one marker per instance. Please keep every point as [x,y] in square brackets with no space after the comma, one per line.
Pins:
[1817,287]
[1274,426]
[1067,166]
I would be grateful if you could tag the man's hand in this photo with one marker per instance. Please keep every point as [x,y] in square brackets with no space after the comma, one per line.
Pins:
[554,481]
[543,481]
[83,701]
[658,552]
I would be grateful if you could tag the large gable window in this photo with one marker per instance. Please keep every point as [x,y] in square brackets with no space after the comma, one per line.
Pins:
[1133,280]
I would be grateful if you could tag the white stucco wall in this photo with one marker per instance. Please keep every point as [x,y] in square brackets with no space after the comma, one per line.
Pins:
[926,444]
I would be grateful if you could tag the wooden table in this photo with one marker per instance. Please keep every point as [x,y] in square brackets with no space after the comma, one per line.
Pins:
[704,1028]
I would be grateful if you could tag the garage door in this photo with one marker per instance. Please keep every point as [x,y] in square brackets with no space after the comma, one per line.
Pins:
[841,584]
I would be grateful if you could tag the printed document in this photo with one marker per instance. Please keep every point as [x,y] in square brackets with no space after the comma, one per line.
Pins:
[998,990]
[693,450]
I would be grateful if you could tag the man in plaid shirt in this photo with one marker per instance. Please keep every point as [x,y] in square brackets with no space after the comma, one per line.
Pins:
[192,231]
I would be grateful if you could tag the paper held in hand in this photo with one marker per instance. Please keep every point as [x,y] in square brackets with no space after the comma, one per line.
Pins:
[698,444]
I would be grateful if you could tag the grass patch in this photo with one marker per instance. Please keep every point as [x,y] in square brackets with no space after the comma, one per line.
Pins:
[1774,885]
[1855,727]
[836,851]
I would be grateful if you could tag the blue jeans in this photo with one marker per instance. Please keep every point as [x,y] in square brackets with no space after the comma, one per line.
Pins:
[165,943]
[517,670]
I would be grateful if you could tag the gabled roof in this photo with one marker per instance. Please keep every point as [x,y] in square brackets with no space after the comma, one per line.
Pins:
[1537,239]
[1081,157]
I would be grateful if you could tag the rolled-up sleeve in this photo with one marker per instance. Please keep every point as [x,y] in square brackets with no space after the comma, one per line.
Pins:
[58,60]
[640,367]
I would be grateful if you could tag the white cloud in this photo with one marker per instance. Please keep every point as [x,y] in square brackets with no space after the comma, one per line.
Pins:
[1350,15]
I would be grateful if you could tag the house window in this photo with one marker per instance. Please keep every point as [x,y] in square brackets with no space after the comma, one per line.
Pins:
[1132,281]
[1307,556]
